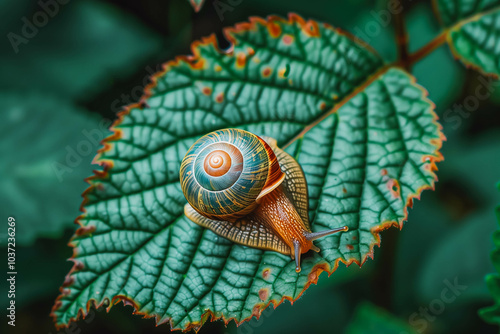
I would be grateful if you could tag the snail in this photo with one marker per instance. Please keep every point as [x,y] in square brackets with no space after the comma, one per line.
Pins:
[246,189]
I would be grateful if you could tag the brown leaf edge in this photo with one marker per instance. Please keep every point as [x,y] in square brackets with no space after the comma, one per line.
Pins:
[195,61]
[445,36]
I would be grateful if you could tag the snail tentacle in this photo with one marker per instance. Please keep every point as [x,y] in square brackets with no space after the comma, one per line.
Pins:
[315,248]
[297,252]
[316,235]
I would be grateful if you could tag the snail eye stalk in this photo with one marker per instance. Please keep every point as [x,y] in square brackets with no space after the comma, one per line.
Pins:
[316,235]
[297,249]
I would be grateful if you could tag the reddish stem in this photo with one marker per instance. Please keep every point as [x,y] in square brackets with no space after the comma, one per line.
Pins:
[402,40]
[428,48]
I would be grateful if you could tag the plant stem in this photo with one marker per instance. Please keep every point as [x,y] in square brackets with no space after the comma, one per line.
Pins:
[428,48]
[442,37]
[402,40]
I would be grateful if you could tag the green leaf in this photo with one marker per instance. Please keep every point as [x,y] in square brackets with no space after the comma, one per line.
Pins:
[365,135]
[454,11]
[447,258]
[79,52]
[197,4]
[491,314]
[46,155]
[369,318]
[472,31]
[455,221]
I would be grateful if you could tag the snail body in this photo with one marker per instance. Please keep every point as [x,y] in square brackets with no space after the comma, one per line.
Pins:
[248,190]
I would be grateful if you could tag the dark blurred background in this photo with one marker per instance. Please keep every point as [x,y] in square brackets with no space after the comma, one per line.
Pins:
[61,87]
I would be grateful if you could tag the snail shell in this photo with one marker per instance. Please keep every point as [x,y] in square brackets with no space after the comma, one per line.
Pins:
[225,173]
[246,189]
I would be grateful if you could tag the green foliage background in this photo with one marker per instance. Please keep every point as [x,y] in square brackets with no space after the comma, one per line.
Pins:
[93,57]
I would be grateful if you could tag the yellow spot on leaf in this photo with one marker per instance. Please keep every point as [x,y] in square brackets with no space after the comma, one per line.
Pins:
[241,60]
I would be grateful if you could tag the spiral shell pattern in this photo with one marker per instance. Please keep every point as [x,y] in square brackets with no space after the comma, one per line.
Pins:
[218,166]
[224,172]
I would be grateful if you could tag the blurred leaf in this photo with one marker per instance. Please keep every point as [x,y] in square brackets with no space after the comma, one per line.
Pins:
[425,216]
[452,12]
[79,52]
[465,154]
[45,157]
[450,257]
[427,268]
[491,314]
[369,318]
[472,31]
[364,162]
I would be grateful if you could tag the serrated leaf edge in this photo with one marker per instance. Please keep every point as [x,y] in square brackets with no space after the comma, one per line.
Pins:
[455,27]
[194,60]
